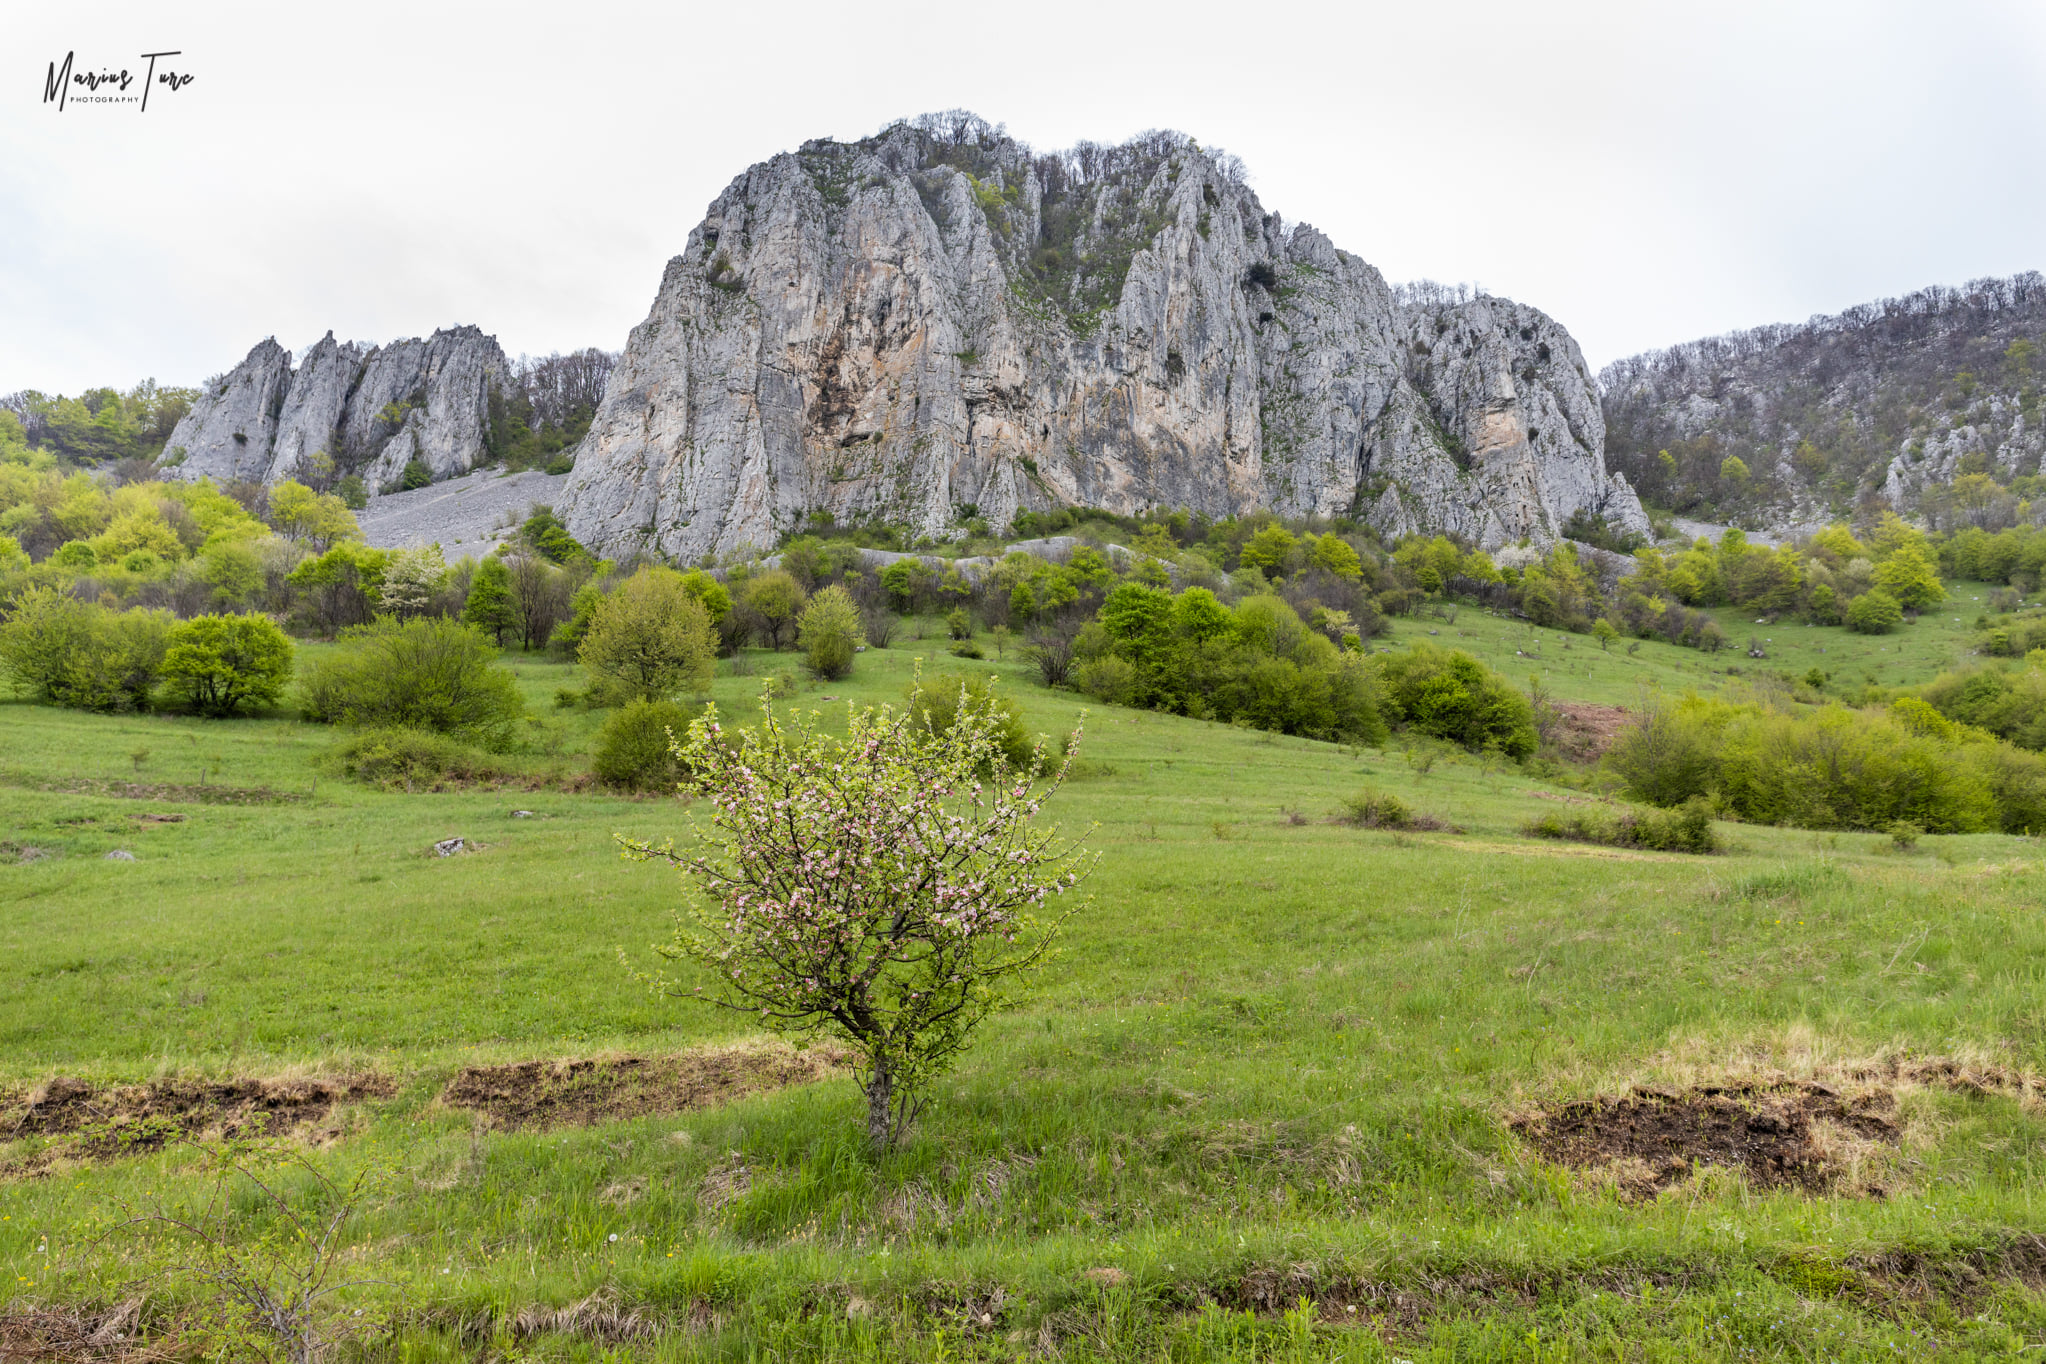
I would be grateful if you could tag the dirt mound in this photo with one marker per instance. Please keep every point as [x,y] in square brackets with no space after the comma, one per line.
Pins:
[1652,1138]
[1587,731]
[110,1120]
[577,1093]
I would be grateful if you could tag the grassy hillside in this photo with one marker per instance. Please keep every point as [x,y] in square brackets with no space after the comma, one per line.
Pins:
[1283,1096]
[1576,669]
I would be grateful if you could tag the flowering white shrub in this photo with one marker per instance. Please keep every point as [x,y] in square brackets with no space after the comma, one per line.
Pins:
[870,887]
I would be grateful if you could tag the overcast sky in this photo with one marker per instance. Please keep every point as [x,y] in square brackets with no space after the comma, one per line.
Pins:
[1644,172]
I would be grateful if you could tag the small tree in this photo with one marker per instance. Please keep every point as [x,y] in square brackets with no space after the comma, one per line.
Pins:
[265,1247]
[490,605]
[648,640]
[540,595]
[871,887]
[218,664]
[775,599]
[412,579]
[830,632]
[1603,631]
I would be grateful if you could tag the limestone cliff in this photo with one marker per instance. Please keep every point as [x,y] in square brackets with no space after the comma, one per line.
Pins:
[372,409]
[934,322]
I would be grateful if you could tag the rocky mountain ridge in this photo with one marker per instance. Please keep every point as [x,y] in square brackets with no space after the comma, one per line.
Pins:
[935,322]
[1928,404]
[372,409]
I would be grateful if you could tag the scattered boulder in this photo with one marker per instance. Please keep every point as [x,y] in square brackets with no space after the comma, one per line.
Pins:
[119,855]
[448,847]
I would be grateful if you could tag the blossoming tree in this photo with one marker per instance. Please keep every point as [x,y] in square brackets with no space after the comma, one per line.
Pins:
[871,887]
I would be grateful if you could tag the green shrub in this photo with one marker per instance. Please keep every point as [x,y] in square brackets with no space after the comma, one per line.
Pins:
[1451,695]
[1666,754]
[1904,835]
[648,640]
[2017,783]
[1874,613]
[1830,767]
[2009,703]
[428,673]
[410,758]
[1109,678]
[78,654]
[959,623]
[966,648]
[1370,809]
[218,664]
[937,703]
[415,475]
[634,748]
[1686,829]
[550,539]
[830,631]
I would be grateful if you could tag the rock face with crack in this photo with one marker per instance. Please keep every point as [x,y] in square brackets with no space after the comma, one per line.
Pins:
[373,410]
[934,323]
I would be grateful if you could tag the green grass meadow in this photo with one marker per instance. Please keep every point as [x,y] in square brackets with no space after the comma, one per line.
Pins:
[1575,668]
[1259,1108]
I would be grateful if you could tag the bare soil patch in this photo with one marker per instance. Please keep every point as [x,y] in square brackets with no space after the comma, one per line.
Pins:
[1653,1138]
[578,1093]
[1587,731]
[112,1120]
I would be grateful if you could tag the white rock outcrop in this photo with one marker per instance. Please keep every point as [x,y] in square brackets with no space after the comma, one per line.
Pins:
[935,322]
[371,409]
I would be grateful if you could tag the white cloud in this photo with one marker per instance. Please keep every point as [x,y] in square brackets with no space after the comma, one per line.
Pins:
[1645,173]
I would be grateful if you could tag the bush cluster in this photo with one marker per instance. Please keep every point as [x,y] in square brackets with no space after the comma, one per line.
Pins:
[2009,703]
[79,654]
[1451,695]
[1688,828]
[1257,665]
[1372,809]
[1830,767]
[389,756]
[72,653]
[430,673]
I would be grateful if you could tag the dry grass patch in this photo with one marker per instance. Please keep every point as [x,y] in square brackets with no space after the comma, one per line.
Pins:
[107,1336]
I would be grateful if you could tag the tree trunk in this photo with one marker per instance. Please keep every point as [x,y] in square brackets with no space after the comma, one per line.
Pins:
[879,1085]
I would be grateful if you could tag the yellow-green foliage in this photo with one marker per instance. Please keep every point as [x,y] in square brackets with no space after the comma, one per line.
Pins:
[73,653]
[830,632]
[650,639]
[635,748]
[1831,767]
